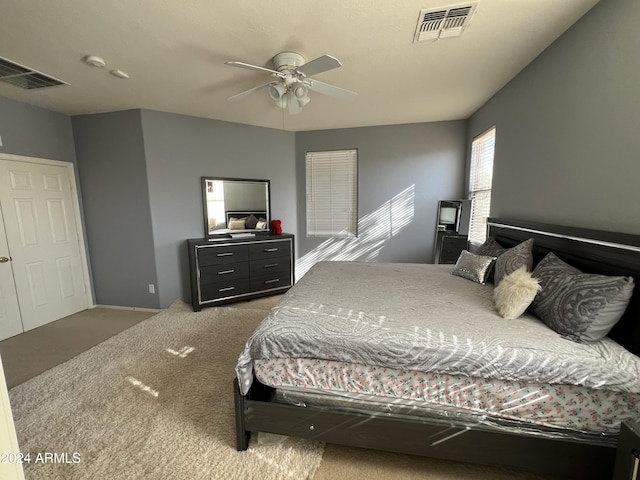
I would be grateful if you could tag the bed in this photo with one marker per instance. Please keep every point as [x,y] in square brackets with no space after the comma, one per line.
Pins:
[437,385]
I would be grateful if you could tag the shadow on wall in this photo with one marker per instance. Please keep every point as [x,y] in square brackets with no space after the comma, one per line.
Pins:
[374,230]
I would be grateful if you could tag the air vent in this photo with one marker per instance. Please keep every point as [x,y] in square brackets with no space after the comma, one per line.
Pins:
[25,77]
[444,22]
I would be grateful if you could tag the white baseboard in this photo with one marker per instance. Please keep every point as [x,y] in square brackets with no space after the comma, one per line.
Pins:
[137,309]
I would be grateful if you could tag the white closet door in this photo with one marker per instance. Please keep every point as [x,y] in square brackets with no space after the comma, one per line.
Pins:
[37,203]
[10,322]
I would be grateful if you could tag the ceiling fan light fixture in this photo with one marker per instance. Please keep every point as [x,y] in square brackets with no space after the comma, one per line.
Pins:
[300,91]
[295,82]
[277,91]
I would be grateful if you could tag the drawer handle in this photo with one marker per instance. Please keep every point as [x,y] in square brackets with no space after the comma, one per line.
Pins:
[226,289]
[272,281]
[270,250]
[228,254]
[271,265]
[224,272]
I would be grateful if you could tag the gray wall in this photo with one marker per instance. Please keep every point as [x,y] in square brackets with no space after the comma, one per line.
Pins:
[35,132]
[403,170]
[111,165]
[180,150]
[567,127]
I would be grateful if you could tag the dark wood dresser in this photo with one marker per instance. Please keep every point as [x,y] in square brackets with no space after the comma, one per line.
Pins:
[225,270]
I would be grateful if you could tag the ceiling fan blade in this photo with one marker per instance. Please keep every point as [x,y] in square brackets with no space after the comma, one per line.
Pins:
[331,90]
[294,106]
[319,65]
[248,66]
[246,93]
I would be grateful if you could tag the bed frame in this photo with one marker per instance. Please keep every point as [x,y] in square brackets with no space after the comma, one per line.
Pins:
[592,251]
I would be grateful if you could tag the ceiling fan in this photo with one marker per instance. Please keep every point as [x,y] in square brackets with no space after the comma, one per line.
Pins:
[291,89]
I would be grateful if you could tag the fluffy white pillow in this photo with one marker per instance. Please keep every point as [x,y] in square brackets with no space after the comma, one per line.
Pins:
[515,293]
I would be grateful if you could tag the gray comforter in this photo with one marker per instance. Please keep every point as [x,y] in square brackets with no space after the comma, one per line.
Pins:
[420,317]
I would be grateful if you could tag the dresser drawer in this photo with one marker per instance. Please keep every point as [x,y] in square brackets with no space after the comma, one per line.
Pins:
[270,265]
[223,272]
[278,248]
[268,281]
[213,291]
[222,254]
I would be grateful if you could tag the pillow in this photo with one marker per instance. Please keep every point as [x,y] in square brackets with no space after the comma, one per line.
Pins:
[251,221]
[493,249]
[514,258]
[262,223]
[236,224]
[490,247]
[582,307]
[473,267]
[515,293]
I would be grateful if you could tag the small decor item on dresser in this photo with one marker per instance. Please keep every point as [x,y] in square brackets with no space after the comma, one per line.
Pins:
[276,227]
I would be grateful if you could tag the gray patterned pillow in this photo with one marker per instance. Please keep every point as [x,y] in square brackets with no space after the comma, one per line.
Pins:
[473,267]
[513,259]
[582,307]
[490,248]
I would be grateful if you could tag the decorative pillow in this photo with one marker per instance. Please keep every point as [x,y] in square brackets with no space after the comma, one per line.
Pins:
[251,221]
[582,307]
[473,267]
[493,249]
[515,293]
[514,258]
[262,223]
[236,224]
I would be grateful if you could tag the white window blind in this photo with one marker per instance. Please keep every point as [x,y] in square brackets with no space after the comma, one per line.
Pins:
[480,180]
[332,193]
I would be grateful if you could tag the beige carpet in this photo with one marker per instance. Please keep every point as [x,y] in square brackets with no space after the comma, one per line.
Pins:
[153,402]
[31,353]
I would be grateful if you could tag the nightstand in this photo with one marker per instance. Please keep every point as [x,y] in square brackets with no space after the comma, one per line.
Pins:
[449,246]
[628,454]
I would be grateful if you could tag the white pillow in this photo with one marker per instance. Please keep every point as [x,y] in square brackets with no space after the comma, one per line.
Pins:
[236,224]
[515,293]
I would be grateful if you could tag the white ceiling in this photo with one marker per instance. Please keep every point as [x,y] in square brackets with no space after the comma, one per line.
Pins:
[174,52]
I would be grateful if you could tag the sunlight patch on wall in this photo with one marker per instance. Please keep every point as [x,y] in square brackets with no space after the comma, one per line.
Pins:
[374,230]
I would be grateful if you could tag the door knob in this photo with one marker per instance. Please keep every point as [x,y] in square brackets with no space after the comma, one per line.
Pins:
[4,259]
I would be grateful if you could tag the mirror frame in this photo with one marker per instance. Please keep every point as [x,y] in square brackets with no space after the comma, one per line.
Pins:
[225,231]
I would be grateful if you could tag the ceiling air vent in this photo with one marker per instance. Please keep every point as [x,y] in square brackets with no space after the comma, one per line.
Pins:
[444,22]
[25,77]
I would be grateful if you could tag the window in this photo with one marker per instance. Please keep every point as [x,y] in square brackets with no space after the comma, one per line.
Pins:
[332,193]
[480,179]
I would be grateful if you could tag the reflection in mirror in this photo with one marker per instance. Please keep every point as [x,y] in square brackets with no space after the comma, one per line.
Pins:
[234,205]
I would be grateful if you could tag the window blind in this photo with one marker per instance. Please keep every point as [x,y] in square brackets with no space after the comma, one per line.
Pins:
[480,180]
[332,193]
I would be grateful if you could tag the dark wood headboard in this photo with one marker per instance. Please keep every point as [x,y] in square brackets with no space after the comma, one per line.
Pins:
[592,251]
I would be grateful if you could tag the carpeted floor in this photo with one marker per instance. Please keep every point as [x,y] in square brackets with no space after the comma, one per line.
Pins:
[153,402]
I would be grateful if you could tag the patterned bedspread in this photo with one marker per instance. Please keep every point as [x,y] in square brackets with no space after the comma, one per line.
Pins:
[420,317]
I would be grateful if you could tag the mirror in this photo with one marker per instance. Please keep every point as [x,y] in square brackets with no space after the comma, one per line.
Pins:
[235,205]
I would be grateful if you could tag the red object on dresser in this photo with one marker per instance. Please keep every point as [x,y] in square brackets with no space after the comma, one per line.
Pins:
[276,227]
